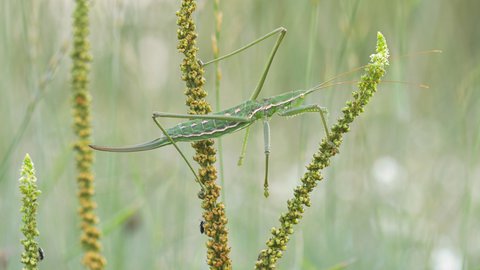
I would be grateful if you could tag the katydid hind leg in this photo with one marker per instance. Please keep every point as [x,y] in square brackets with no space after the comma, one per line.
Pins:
[259,86]
[281,31]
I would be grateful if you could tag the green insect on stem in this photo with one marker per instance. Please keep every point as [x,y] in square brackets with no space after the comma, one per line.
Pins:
[201,127]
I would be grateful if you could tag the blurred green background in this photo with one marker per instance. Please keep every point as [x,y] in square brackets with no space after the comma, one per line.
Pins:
[404,192]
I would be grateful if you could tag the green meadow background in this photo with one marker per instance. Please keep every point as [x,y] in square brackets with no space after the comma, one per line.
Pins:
[404,192]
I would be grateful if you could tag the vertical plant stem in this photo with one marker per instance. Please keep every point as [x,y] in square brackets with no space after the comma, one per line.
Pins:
[81,58]
[192,73]
[329,147]
[313,29]
[39,93]
[312,40]
[346,35]
[218,76]
[308,75]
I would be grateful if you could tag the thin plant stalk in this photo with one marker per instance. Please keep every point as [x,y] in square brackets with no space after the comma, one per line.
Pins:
[308,73]
[217,13]
[39,93]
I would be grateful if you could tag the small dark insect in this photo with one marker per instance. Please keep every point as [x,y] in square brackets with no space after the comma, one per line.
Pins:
[41,254]
[201,194]
[202,228]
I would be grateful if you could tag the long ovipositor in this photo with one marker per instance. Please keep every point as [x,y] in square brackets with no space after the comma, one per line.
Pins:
[159,142]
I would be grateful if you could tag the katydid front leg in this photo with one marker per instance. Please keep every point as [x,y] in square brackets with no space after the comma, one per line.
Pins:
[288,112]
[294,111]
[266,140]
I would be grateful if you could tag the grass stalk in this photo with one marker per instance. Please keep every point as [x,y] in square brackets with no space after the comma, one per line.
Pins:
[313,29]
[217,13]
[38,95]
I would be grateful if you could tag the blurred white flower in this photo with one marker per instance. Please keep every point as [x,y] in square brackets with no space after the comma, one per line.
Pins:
[386,172]
[444,258]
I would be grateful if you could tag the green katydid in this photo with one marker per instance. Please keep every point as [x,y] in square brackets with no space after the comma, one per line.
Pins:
[201,127]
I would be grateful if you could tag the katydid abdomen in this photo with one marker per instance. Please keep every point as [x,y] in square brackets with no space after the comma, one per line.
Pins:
[197,129]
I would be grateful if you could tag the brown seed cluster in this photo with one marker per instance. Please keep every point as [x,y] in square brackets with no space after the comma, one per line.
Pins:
[329,146]
[81,59]
[192,73]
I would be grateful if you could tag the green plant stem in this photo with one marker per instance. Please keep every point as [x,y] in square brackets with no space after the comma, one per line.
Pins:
[218,76]
[39,93]
[308,74]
